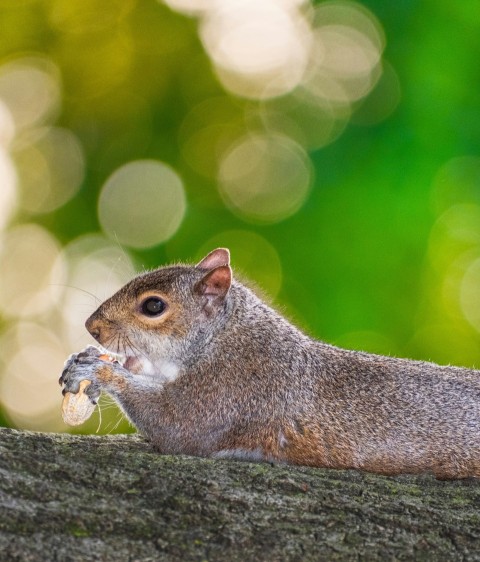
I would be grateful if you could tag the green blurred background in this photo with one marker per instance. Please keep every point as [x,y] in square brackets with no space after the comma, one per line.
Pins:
[334,147]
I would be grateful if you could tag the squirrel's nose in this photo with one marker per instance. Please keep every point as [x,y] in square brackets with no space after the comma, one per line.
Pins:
[93,326]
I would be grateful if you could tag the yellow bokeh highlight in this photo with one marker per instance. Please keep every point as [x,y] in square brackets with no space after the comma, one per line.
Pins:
[7,125]
[32,273]
[449,317]
[260,49]
[190,7]
[142,203]
[96,268]
[309,120]
[470,294]
[30,87]
[93,17]
[265,178]
[8,188]
[457,181]
[50,169]
[32,359]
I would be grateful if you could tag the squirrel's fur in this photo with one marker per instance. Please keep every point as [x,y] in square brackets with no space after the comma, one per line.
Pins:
[219,373]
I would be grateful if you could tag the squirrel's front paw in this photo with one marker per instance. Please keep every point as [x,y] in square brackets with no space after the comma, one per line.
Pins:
[80,367]
[89,352]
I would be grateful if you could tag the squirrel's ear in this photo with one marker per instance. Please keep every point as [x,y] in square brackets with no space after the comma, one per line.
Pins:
[215,284]
[220,256]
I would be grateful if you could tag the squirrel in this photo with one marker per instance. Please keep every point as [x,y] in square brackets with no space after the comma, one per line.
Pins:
[211,370]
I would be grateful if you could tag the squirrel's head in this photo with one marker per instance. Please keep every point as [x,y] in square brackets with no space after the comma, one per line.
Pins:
[158,313]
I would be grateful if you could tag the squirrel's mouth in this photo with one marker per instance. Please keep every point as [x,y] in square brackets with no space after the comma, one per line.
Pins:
[130,362]
[129,358]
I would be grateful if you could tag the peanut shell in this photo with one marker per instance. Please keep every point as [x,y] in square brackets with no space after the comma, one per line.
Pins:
[77,408]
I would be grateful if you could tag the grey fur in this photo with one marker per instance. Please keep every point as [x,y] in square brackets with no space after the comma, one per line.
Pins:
[250,381]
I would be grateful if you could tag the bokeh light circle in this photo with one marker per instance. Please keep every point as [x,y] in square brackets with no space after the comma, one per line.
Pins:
[346,51]
[33,358]
[352,15]
[382,100]
[190,7]
[96,268]
[260,49]
[456,231]
[30,87]
[142,204]
[32,275]
[7,125]
[347,45]
[470,294]
[458,180]
[309,120]
[50,170]
[8,188]
[265,178]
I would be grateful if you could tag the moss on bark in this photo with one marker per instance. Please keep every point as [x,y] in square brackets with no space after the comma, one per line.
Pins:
[68,498]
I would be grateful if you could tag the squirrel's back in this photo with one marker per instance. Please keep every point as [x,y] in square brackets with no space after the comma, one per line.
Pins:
[391,415]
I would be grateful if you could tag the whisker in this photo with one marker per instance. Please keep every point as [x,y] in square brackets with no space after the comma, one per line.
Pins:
[120,419]
[99,417]
[112,427]
[131,344]
[77,289]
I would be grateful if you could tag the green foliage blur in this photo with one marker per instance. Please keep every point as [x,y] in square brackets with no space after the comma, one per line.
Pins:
[372,259]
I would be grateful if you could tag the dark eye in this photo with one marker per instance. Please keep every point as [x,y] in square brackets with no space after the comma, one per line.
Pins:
[153,306]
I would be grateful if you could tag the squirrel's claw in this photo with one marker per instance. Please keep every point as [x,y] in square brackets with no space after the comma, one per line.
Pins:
[86,356]
[79,366]
[63,376]
[78,370]
[89,352]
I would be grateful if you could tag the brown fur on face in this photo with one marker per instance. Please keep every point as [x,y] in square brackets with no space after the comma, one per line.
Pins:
[119,319]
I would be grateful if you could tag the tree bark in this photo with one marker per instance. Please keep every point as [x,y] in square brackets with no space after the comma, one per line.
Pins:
[66,498]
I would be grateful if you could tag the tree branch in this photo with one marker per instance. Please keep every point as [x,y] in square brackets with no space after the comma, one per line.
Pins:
[67,498]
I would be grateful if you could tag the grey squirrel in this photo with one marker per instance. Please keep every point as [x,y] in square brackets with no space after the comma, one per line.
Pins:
[211,370]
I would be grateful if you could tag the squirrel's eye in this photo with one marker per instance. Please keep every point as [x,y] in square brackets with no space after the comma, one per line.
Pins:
[153,306]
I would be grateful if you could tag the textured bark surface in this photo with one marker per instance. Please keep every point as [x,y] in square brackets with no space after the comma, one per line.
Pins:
[87,498]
